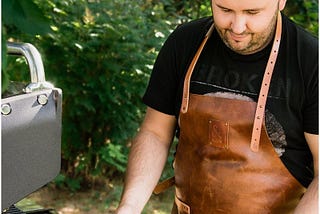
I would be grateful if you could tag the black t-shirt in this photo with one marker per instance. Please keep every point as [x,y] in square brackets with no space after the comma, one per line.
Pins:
[292,105]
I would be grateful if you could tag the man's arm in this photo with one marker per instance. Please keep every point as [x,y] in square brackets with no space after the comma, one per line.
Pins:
[309,202]
[147,158]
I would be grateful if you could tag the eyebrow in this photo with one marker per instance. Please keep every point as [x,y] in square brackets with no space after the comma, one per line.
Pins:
[246,10]
[222,7]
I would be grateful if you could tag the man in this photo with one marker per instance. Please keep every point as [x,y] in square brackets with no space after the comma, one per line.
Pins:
[242,94]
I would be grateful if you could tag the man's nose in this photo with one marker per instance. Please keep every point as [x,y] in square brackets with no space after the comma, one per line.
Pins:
[238,24]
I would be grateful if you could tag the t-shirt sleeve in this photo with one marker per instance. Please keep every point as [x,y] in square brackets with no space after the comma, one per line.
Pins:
[311,107]
[162,88]
[310,68]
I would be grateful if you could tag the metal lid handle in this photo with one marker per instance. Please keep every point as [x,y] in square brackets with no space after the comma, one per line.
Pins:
[34,60]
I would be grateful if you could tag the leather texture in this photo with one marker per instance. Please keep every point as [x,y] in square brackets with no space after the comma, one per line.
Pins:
[30,143]
[227,176]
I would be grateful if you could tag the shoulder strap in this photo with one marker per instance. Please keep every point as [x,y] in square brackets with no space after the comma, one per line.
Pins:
[259,115]
[186,85]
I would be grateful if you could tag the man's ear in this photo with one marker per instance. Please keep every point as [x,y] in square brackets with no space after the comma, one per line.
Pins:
[282,4]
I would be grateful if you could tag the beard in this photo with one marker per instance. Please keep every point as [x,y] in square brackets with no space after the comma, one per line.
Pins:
[255,41]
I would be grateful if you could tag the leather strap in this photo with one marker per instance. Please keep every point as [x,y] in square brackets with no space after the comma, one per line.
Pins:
[259,115]
[186,85]
[183,208]
[164,185]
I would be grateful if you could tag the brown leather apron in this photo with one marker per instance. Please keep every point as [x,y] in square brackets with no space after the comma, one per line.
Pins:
[221,166]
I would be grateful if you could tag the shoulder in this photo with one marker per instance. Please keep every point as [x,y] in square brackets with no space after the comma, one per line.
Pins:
[297,34]
[300,48]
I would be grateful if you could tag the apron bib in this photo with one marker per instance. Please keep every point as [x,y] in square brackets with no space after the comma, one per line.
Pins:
[225,162]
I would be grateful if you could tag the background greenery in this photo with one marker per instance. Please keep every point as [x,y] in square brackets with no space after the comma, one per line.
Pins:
[101,52]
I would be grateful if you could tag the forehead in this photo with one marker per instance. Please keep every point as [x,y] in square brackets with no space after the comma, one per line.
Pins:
[244,4]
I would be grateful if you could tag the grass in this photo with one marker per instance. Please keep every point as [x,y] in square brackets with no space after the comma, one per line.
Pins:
[99,200]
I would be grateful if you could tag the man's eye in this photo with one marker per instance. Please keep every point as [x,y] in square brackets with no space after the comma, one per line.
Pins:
[226,10]
[252,12]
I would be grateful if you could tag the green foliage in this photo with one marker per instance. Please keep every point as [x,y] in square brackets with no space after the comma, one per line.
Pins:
[21,17]
[185,10]
[113,155]
[63,181]
[25,15]
[305,13]
[4,76]
[100,55]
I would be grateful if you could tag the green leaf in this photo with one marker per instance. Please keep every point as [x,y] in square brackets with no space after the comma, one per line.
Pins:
[3,50]
[26,16]
[4,81]
[4,78]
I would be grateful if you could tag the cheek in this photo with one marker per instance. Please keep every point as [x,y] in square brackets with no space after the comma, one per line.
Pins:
[222,21]
[257,24]
[256,28]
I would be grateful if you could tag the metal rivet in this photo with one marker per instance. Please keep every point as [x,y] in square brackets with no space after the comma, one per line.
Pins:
[42,99]
[5,109]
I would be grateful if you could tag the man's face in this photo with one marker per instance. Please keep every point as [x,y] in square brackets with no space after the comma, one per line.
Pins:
[246,26]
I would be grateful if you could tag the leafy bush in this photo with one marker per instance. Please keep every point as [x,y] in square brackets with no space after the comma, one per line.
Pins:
[101,55]
[19,17]
[305,13]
